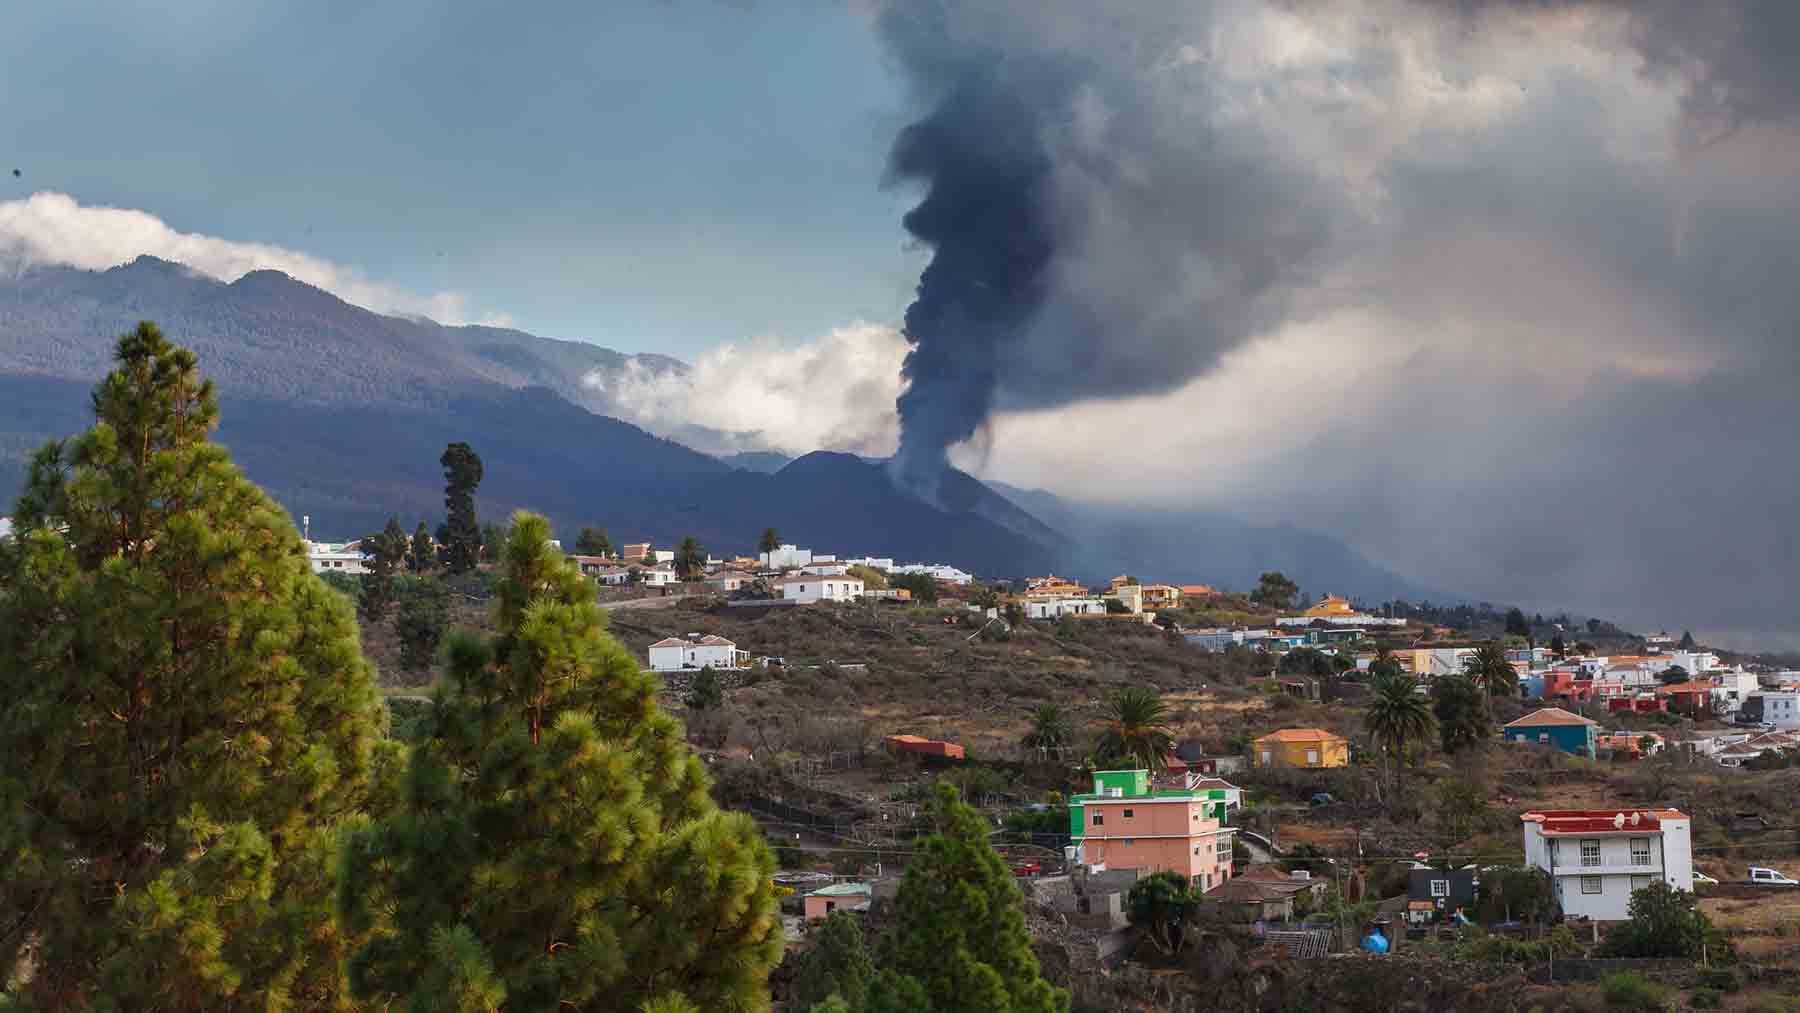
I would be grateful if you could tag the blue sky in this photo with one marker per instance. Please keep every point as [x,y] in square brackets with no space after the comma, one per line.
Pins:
[650,176]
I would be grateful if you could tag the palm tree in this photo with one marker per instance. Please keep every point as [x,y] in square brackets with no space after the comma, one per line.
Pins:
[1050,728]
[1133,729]
[1385,664]
[1488,667]
[770,541]
[1397,716]
[690,559]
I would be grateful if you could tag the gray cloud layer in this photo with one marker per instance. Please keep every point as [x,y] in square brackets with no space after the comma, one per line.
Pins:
[1548,248]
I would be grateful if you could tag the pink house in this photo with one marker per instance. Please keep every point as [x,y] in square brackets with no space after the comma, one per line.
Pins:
[1163,832]
[837,897]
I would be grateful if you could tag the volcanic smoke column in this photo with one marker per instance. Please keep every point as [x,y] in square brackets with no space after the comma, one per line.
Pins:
[981,154]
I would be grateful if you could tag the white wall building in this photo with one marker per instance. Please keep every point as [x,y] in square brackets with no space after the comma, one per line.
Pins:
[675,654]
[825,568]
[1778,710]
[1597,857]
[807,588]
[882,563]
[787,557]
[729,580]
[660,575]
[334,557]
[1056,608]
[936,571]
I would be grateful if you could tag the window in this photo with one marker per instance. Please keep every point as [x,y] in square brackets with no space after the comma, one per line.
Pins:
[1640,851]
[1312,757]
[1639,882]
[1590,853]
[1099,818]
[1265,758]
[1590,884]
[1127,814]
[1543,737]
[1440,888]
[830,906]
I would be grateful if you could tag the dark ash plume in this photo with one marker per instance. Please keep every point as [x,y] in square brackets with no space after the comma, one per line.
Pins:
[981,156]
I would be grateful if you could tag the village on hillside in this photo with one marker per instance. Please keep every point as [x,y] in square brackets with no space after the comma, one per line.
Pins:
[1120,735]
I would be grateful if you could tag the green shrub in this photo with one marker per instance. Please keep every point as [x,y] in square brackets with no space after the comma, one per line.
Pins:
[1705,998]
[1719,979]
[1773,1004]
[1628,991]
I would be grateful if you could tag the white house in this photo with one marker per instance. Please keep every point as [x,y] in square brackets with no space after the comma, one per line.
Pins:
[1779,710]
[660,575]
[788,557]
[936,571]
[825,568]
[335,557]
[1597,857]
[882,563]
[5,528]
[808,588]
[612,576]
[729,580]
[675,654]
[1056,608]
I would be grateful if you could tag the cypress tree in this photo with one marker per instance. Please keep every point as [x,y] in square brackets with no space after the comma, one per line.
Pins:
[423,554]
[556,845]
[187,717]
[461,533]
[958,930]
[385,553]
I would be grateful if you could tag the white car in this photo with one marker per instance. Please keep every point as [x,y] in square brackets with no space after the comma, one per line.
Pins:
[1769,877]
[1703,878]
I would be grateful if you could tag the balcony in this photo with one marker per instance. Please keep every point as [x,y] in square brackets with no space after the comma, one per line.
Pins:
[1618,864]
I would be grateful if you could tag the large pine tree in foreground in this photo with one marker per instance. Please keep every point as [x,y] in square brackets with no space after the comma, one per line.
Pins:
[556,846]
[187,716]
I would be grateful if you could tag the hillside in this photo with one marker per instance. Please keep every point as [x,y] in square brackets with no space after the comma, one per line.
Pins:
[268,336]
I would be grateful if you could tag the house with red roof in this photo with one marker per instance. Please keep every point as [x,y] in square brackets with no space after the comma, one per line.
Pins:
[694,652]
[1596,858]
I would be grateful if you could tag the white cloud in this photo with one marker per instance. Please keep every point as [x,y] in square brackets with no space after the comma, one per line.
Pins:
[54,229]
[835,393]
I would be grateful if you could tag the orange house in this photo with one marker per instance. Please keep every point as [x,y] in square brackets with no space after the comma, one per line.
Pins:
[1301,747]
[1160,832]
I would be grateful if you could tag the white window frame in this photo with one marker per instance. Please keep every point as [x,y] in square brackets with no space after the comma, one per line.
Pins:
[1312,757]
[1596,883]
[1590,861]
[1440,888]
[1640,856]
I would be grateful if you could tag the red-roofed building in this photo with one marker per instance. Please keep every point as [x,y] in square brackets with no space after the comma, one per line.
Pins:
[675,654]
[1691,697]
[1597,857]
[917,746]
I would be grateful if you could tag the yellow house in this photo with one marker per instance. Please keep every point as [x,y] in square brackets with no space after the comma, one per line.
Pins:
[1300,747]
[1331,605]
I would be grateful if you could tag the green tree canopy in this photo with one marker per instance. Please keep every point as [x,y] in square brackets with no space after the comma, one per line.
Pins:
[556,844]
[383,556]
[690,559]
[837,965]
[1050,728]
[1664,922]
[1488,668]
[422,555]
[1306,661]
[1687,641]
[1275,590]
[188,716]
[706,693]
[420,622]
[1134,729]
[1672,675]
[957,929]
[1516,624]
[593,542]
[1461,708]
[923,586]
[462,531]
[1160,904]
[770,540]
[1397,717]
[1385,664]
[873,579]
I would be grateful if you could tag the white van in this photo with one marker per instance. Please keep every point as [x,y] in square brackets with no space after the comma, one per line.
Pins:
[1769,877]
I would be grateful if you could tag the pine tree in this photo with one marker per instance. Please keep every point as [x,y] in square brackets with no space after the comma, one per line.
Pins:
[461,537]
[957,928]
[187,717]
[837,966]
[706,692]
[424,612]
[557,830]
[384,553]
[423,554]
[593,542]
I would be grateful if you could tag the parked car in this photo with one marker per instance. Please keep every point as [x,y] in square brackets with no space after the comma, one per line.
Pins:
[1760,876]
[1322,798]
[1701,878]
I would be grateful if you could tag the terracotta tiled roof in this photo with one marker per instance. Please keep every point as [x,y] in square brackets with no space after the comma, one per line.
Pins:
[1686,687]
[1550,716]
[670,642]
